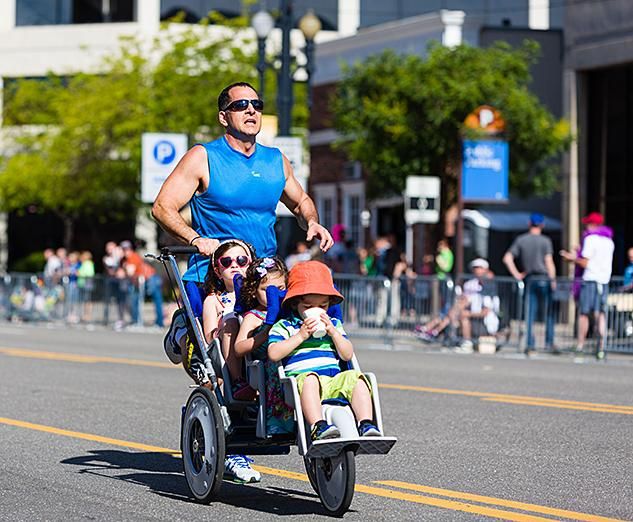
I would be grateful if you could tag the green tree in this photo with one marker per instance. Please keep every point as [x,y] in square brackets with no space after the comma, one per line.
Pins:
[77,152]
[402,115]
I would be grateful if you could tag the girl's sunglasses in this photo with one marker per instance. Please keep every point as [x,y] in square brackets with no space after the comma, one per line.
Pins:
[242,105]
[227,261]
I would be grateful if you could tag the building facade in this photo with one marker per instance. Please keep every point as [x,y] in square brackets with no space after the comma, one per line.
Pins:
[599,99]
[64,37]
[338,184]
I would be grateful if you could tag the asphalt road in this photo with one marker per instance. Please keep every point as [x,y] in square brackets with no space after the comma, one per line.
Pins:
[88,419]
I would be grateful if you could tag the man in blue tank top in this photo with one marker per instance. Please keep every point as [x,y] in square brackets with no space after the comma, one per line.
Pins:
[233,185]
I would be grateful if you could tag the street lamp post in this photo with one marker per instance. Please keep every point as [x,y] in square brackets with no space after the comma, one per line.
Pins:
[263,24]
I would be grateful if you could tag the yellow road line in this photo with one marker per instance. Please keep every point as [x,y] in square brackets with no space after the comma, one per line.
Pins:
[89,359]
[361,488]
[86,436]
[418,499]
[488,396]
[554,405]
[535,508]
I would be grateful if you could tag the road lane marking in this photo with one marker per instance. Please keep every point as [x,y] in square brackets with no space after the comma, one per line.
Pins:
[85,436]
[88,359]
[535,508]
[554,405]
[487,396]
[361,488]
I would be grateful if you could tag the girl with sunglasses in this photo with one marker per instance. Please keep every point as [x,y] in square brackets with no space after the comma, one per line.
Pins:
[219,320]
[261,294]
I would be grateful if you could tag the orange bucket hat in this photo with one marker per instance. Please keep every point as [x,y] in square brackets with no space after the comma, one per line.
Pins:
[311,277]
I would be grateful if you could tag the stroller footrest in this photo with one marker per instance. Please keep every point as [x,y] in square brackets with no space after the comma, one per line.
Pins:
[360,445]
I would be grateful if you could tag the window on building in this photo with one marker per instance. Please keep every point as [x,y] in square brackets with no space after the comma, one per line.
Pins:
[61,12]
[326,10]
[353,205]
[325,199]
[352,170]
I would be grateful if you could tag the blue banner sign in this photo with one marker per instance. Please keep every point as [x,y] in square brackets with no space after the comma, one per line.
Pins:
[485,170]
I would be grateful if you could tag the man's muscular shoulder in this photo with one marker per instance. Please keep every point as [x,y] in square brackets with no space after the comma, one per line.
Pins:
[197,166]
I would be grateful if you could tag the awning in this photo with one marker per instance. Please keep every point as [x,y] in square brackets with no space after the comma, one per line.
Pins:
[506,221]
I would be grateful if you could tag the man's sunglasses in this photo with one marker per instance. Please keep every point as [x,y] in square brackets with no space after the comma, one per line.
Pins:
[227,261]
[242,105]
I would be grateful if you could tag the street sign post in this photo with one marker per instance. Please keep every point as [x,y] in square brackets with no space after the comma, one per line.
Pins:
[422,205]
[161,152]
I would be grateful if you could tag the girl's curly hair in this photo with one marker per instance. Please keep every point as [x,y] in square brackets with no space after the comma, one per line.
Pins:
[258,270]
[213,284]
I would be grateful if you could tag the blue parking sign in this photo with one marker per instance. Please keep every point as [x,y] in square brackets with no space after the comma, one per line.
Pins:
[485,169]
[164,152]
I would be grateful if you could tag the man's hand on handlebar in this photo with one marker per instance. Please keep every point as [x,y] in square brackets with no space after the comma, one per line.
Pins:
[206,245]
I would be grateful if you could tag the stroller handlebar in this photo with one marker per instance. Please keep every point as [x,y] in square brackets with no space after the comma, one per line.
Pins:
[179,249]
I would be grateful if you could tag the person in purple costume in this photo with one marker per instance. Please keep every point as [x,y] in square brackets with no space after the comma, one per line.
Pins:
[595,259]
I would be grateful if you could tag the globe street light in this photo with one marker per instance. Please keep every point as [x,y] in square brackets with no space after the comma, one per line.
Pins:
[263,23]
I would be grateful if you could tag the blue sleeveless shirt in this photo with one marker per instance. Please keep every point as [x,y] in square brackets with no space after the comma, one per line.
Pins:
[240,201]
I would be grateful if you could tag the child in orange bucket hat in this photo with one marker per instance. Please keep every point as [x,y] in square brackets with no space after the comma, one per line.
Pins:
[314,359]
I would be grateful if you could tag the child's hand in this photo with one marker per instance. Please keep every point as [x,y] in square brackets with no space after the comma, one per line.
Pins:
[329,325]
[308,327]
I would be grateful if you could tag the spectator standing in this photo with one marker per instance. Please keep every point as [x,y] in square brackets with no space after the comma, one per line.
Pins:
[444,260]
[136,268]
[301,253]
[52,268]
[72,299]
[628,272]
[85,281]
[534,252]
[350,261]
[367,257]
[115,283]
[334,256]
[596,259]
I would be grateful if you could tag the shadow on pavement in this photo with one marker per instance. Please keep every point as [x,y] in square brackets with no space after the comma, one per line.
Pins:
[162,473]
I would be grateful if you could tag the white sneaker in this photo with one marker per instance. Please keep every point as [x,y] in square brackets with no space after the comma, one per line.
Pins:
[465,347]
[238,469]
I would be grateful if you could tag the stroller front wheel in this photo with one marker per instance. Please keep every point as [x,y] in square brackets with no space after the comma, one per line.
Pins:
[203,445]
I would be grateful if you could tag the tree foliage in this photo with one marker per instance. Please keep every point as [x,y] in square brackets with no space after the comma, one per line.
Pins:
[402,115]
[78,150]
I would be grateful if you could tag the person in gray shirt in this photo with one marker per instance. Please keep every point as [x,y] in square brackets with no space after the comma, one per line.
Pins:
[534,252]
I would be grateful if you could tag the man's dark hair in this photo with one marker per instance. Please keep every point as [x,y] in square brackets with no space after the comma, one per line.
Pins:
[224,98]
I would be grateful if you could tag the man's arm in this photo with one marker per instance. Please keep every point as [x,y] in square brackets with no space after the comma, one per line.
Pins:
[508,260]
[302,206]
[190,175]
[549,265]
[572,258]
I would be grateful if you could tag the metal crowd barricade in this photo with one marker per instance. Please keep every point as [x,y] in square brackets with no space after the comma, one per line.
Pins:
[377,307]
[619,317]
[33,298]
[544,301]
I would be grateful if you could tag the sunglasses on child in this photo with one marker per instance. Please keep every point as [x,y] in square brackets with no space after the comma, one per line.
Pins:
[242,105]
[227,261]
